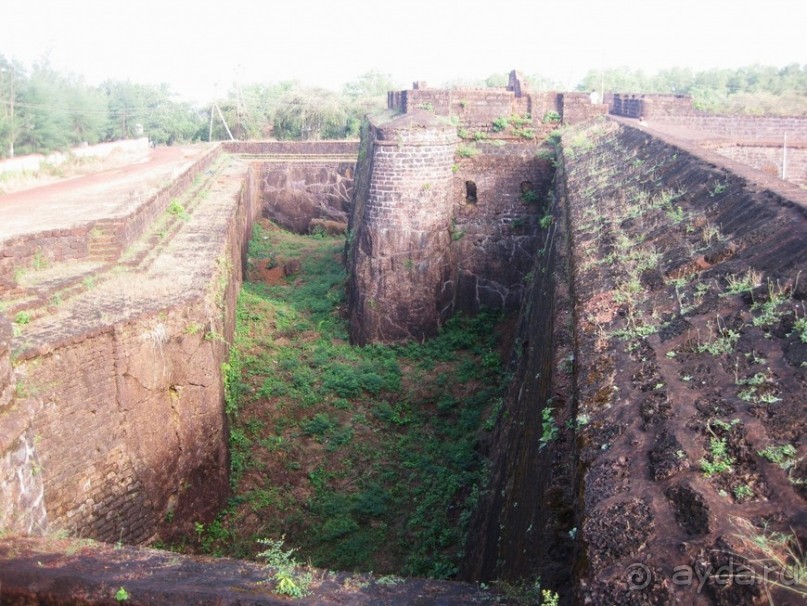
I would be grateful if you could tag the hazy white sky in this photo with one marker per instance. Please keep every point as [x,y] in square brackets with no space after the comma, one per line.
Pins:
[200,45]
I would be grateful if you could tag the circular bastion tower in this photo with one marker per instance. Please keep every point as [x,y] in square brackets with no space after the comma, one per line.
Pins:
[402,281]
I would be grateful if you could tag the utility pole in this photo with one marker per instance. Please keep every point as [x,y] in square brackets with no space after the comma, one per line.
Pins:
[210,128]
[602,86]
[224,122]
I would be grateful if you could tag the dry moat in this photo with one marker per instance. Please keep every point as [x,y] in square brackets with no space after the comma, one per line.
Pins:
[505,349]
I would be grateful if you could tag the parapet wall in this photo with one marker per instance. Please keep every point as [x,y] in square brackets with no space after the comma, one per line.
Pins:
[297,148]
[476,109]
[677,110]
[653,105]
[770,159]
[132,226]
[770,129]
[103,239]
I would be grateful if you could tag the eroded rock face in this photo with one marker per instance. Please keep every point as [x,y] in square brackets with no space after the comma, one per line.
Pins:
[295,194]
[401,272]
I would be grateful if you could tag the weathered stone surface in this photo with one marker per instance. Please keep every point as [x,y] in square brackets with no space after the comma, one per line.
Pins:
[295,194]
[5,362]
[116,424]
[21,484]
[433,232]
[401,272]
[498,229]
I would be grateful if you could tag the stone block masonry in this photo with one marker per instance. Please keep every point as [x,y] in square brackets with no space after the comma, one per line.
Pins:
[499,197]
[6,375]
[770,160]
[401,283]
[475,109]
[302,181]
[116,429]
[129,426]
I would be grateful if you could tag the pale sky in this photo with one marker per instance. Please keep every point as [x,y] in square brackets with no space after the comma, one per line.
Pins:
[200,48]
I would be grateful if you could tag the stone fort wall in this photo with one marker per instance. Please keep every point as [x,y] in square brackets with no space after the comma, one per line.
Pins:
[678,110]
[476,109]
[103,239]
[117,432]
[435,231]
[498,222]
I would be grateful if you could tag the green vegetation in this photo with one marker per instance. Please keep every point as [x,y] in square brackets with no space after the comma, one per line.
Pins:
[770,312]
[364,458]
[288,578]
[719,460]
[755,89]
[783,455]
[549,426]
[466,151]
[121,595]
[500,123]
[800,326]
[46,110]
[175,208]
[743,492]
[456,233]
[740,283]
[779,553]
[717,188]
[530,196]
[723,341]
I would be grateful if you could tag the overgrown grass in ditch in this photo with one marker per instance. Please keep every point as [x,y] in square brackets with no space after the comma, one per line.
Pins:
[364,458]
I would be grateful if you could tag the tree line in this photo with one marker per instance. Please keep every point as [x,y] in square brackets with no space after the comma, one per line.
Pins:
[755,89]
[42,109]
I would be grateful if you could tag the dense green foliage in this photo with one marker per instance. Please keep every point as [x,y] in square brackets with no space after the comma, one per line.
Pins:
[364,458]
[44,110]
[754,89]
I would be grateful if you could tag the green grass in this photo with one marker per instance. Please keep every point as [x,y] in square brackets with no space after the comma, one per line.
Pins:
[364,458]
